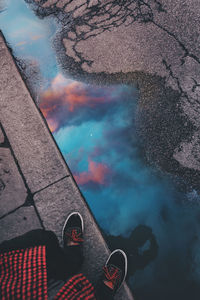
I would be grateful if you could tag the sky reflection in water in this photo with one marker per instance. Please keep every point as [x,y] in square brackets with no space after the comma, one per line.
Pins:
[94,128]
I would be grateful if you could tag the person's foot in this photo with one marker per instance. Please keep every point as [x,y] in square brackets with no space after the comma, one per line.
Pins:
[115,271]
[72,233]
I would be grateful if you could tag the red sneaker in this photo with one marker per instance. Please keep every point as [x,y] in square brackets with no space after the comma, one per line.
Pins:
[115,270]
[72,233]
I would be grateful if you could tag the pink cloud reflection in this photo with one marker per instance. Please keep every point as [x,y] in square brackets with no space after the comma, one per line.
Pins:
[97,173]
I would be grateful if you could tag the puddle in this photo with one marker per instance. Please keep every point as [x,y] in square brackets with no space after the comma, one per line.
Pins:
[138,208]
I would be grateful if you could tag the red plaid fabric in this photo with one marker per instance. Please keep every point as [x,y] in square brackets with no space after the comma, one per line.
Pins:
[77,288]
[23,274]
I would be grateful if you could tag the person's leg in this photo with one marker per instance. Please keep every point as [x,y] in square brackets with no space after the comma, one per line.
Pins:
[72,235]
[102,292]
[115,270]
[114,273]
[32,238]
[58,263]
[77,287]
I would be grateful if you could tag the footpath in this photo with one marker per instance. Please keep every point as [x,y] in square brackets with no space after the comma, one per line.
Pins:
[37,189]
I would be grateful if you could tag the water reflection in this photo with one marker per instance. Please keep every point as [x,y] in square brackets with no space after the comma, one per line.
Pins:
[29,36]
[141,246]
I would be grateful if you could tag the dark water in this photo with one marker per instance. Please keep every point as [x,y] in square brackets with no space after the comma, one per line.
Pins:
[138,208]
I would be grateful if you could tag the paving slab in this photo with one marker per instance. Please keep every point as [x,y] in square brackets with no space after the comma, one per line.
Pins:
[54,204]
[21,221]
[35,150]
[12,189]
[1,136]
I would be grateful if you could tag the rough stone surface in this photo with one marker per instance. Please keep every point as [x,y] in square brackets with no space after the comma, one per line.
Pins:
[54,204]
[38,156]
[18,223]
[157,44]
[188,153]
[12,189]
[153,35]
[1,136]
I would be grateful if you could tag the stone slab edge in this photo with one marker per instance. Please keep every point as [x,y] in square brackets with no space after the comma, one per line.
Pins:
[36,152]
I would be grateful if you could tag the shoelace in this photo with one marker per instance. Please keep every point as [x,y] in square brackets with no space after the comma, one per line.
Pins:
[74,236]
[112,276]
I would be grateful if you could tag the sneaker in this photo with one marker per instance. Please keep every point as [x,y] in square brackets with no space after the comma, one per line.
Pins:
[115,270]
[72,233]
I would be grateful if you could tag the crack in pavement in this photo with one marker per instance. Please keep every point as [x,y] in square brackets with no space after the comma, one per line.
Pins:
[51,184]
[29,199]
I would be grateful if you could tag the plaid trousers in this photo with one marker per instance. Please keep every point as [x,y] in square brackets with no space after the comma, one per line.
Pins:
[25,265]
[23,276]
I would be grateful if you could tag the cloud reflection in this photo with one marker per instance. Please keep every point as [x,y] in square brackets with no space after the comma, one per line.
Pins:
[97,173]
[71,102]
